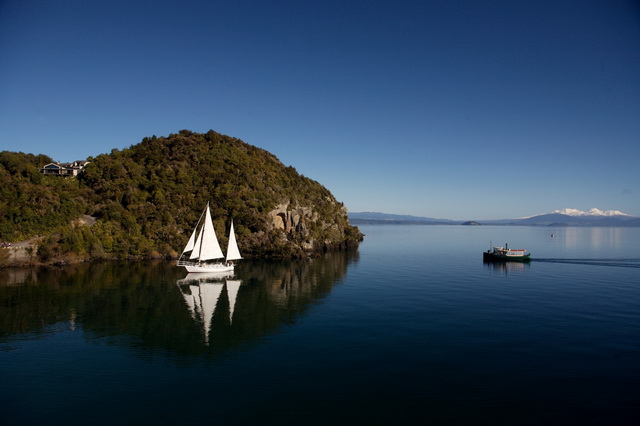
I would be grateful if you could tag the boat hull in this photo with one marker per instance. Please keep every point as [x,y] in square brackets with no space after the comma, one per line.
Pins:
[206,268]
[494,257]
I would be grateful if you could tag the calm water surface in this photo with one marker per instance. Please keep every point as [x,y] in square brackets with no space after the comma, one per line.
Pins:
[414,327]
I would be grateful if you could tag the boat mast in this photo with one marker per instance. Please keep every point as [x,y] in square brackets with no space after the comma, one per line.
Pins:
[210,248]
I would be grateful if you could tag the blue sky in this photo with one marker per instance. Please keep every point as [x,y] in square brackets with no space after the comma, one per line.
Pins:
[446,109]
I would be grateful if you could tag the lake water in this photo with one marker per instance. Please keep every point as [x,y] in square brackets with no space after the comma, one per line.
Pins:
[412,328]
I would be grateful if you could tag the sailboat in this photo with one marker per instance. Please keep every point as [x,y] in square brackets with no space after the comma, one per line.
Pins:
[203,248]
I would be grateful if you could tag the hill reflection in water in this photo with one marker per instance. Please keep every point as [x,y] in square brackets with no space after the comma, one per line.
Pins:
[158,306]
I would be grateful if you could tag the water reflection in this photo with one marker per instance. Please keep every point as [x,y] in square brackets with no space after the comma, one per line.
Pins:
[572,237]
[155,306]
[504,268]
[17,276]
[201,293]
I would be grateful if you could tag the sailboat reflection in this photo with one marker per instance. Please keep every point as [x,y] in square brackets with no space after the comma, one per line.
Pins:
[201,292]
[143,304]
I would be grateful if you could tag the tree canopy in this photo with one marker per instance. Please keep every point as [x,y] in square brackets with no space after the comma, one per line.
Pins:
[148,197]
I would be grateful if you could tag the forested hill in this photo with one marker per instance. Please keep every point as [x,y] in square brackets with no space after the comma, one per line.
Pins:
[147,198]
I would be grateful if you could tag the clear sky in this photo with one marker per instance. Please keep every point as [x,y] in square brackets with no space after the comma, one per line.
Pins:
[445,109]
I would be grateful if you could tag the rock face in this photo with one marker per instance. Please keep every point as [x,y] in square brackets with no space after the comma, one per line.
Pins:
[20,254]
[297,222]
[292,220]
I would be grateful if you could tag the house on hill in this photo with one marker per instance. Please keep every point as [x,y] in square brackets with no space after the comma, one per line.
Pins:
[64,169]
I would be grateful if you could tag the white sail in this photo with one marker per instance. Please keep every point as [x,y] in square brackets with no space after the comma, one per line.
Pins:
[192,241]
[191,244]
[210,248]
[233,253]
[195,254]
[204,246]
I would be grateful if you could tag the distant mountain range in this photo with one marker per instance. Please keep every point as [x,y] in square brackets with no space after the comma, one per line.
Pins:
[564,217]
[381,218]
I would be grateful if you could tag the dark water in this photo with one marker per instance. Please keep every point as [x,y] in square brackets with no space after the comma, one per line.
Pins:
[413,328]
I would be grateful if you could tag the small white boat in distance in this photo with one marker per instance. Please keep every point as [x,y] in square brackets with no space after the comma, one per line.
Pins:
[203,250]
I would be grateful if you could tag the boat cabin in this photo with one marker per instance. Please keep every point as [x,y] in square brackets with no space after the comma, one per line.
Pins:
[509,252]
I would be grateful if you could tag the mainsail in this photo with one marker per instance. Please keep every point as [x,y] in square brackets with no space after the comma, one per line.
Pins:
[210,248]
[206,246]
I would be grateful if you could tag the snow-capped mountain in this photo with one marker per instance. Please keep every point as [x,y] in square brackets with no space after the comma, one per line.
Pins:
[575,217]
[590,212]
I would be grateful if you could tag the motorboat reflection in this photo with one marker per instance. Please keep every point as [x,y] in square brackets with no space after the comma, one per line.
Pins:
[506,267]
